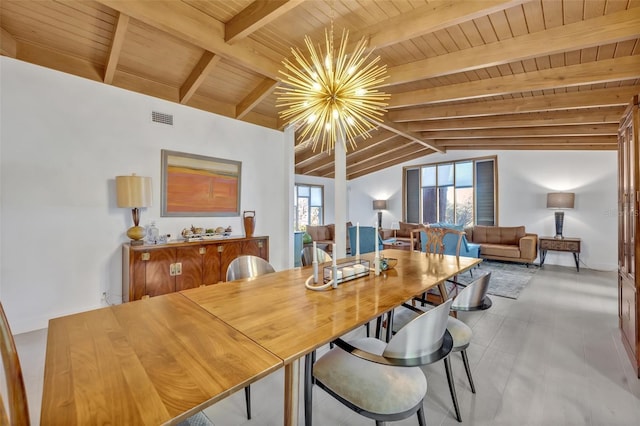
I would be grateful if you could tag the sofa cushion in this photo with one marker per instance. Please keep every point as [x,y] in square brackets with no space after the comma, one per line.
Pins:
[498,234]
[405,229]
[502,250]
[319,233]
[331,231]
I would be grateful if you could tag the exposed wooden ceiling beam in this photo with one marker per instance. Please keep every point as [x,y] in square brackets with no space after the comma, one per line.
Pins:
[430,18]
[256,96]
[615,96]
[547,118]
[376,135]
[48,58]
[622,68]
[505,143]
[605,29]
[401,129]
[571,130]
[116,47]
[195,27]
[382,139]
[198,75]
[8,45]
[255,16]
[536,147]
[411,150]
[373,156]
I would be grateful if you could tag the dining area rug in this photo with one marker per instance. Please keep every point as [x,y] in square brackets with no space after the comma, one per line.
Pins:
[507,279]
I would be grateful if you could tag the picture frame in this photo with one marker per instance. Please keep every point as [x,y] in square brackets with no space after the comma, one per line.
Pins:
[197,185]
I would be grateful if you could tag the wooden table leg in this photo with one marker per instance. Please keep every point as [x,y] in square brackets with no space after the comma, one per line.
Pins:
[442,288]
[291,392]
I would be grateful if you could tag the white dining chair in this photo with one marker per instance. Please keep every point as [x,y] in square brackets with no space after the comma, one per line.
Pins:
[383,381]
[306,256]
[472,298]
[248,266]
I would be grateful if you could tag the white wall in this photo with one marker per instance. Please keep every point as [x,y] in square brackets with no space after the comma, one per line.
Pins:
[524,178]
[63,141]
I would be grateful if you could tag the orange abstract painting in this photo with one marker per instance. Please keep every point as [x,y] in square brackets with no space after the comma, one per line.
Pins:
[195,185]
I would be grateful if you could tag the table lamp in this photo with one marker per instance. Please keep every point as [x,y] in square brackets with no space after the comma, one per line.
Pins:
[134,192]
[379,205]
[560,201]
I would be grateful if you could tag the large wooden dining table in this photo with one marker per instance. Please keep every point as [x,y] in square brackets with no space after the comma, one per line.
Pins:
[279,313]
[148,362]
[160,360]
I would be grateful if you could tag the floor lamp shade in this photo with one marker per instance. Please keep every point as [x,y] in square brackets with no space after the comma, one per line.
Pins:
[134,192]
[560,201]
[379,205]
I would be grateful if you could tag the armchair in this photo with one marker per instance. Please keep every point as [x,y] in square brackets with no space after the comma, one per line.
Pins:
[368,238]
[455,242]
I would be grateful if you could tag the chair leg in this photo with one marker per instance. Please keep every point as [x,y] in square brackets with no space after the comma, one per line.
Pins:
[313,361]
[421,420]
[368,329]
[465,361]
[247,400]
[378,327]
[380,423]
[389,326]
[452,387]
[309,359]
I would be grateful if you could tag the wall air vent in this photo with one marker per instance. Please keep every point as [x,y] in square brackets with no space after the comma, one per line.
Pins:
[159,117]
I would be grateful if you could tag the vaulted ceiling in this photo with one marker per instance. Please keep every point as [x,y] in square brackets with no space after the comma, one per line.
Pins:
[463,74]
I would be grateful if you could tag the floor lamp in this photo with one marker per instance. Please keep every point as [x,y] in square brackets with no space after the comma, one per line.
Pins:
[379,205]
[560,201]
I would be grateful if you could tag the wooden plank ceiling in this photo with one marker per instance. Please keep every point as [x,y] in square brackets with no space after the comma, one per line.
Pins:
[482,74]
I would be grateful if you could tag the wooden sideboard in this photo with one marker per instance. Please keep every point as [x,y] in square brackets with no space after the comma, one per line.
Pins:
[628,226]
[155,270]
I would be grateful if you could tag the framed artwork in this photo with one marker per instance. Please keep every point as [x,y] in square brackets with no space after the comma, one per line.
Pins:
[195,185]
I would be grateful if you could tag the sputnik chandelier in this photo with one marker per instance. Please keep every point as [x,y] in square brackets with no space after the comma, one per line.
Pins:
[326,97]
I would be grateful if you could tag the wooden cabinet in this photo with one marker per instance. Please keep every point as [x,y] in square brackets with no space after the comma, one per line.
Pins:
[628,224]
[155,270]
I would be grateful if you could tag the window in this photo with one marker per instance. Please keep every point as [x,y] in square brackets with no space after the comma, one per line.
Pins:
[308,206]
[460,192]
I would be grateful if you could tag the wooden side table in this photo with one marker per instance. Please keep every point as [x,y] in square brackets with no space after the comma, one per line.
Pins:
[571,245]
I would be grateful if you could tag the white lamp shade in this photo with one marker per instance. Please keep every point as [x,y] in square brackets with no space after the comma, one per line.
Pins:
[379,204]
[560,200]
[134,191]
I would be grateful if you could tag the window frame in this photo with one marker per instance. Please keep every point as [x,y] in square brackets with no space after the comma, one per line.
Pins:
[474,161]
[296,224]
